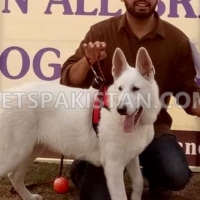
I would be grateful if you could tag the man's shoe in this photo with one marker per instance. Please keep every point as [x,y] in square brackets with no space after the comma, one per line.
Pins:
[77,169]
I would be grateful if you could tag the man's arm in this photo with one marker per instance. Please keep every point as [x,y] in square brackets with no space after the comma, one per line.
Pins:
[185,88]
[74,72]
[195,110]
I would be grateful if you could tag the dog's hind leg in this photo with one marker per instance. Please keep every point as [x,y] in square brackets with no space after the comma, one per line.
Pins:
[134,171]
[17,179]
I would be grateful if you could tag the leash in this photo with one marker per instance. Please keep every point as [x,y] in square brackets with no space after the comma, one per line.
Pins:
[100,83]
[33,185]
[99,79]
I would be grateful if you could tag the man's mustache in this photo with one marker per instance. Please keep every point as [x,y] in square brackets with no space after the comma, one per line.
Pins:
[143,1]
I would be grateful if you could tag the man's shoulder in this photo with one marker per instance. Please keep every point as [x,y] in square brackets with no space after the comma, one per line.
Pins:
[173,31]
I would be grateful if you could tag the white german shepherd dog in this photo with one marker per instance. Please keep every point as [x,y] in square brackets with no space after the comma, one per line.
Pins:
[42,115]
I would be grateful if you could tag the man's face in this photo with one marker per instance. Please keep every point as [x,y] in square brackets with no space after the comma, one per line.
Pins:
[140,9]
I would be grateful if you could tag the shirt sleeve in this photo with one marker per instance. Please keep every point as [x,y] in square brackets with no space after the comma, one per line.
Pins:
[66,67]
[185,89]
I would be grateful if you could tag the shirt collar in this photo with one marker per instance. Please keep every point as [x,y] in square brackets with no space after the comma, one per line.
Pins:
[160,29]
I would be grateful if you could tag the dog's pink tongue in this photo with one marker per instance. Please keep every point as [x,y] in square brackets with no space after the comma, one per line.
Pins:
[129,123]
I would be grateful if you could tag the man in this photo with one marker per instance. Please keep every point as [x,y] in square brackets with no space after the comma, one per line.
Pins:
[163,161]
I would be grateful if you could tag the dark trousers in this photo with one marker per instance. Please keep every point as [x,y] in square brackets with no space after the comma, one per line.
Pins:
[164,165]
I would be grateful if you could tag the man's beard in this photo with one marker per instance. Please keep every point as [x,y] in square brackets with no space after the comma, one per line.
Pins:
[137,14]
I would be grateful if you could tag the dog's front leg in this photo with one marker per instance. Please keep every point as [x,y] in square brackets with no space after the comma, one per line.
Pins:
[115,180]
[136,176]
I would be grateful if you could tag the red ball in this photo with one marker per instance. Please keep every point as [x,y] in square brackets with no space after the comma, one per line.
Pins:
[61,185]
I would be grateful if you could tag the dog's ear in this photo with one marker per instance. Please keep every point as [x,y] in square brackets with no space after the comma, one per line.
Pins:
[144,63]
[119,63]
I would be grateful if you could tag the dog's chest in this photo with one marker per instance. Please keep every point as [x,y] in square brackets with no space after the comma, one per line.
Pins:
[125,145]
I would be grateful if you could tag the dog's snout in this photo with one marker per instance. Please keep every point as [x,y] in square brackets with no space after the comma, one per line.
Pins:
[122,110]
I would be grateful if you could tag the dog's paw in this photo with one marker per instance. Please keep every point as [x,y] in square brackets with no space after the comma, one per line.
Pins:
[36,197]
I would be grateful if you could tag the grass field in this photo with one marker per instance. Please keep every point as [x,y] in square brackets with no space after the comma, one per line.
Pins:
[43,172]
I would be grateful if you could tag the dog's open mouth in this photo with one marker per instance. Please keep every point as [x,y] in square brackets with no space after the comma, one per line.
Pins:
[132,120]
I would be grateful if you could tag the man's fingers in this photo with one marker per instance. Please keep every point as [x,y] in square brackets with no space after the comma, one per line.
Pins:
[102,55]
[100,45]
[96,45]
[103,45]
[95,50]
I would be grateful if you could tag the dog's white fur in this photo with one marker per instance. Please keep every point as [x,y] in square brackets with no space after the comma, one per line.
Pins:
[25,132]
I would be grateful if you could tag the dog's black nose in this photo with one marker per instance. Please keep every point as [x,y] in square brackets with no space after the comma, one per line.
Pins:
[122,110]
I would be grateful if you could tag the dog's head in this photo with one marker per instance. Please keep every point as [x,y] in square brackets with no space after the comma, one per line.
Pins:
[137,99]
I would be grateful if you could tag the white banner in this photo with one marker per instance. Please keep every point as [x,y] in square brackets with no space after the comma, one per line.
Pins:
[37,36]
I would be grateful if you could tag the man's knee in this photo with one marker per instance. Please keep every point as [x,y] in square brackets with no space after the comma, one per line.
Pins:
[177,177]
[164,163]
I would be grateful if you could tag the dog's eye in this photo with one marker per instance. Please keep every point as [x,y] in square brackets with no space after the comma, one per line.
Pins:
[135,89]
[120,88]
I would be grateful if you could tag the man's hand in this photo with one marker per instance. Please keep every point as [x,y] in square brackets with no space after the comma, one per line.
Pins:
[95,51]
